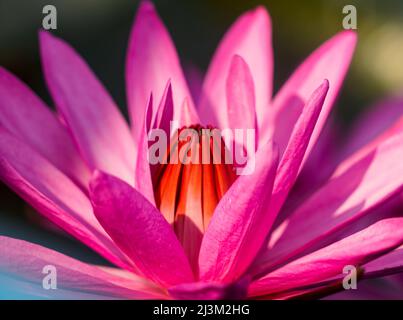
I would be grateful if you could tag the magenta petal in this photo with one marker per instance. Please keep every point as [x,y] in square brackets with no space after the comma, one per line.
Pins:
[26,260]
[23,114]
[165,111]
[140,230]
[210,291]
[249,37]
[188,115]
[291,158]
[356,187]
[240,95]
[151,62]
[240,222]
[323,156]
[378,120]
[330,61]
[24,289]
[97,126]
[389,263]
[53,195]
[142,172]
[329,262]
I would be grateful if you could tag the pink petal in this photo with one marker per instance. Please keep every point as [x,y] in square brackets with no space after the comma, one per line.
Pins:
[240,95]
[393,130]
[249,37]
[240,222]
[323,156]
[54,195]
[330,61]
[165,112]
[387,264]
[13,288]
[292,157]
[320,265]
[140,230]
[151,61]
[142,173]
[187,115]
[96,124]
[380,118]
[27,261]
[210,291]
[364,183]
[23,114]
[382,289]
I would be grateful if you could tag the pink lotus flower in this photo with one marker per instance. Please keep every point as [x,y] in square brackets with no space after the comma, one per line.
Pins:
[193,232]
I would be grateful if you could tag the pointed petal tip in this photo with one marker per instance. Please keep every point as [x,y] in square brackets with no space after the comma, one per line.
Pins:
[168,87]
[258,15]
[349,34]
[48,41]
[42,33]
[146,5]
[350,37]
[45,36]
[323,88]
[262,11]
[318,96]
[237,58]
[250,36]
[146,9]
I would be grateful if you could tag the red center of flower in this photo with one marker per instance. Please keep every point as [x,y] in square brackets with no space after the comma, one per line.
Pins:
[189,186]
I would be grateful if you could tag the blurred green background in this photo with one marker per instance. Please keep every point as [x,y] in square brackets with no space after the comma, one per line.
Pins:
[99,30]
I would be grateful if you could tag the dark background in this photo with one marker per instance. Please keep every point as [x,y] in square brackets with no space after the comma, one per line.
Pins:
[99,30]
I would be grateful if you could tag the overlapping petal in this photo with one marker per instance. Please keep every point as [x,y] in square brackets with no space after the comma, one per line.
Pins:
[53,195]
[330,261]
[24,260]
[49,166]
[250,38]
[140,230]
[23,114]
[151,62]
[240,222]
[240,95]
[330,61]
[353,190]
[381,117]
[387,264]
[98,128]
[291,158]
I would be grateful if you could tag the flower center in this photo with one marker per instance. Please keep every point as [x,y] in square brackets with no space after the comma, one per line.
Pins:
[190,184]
